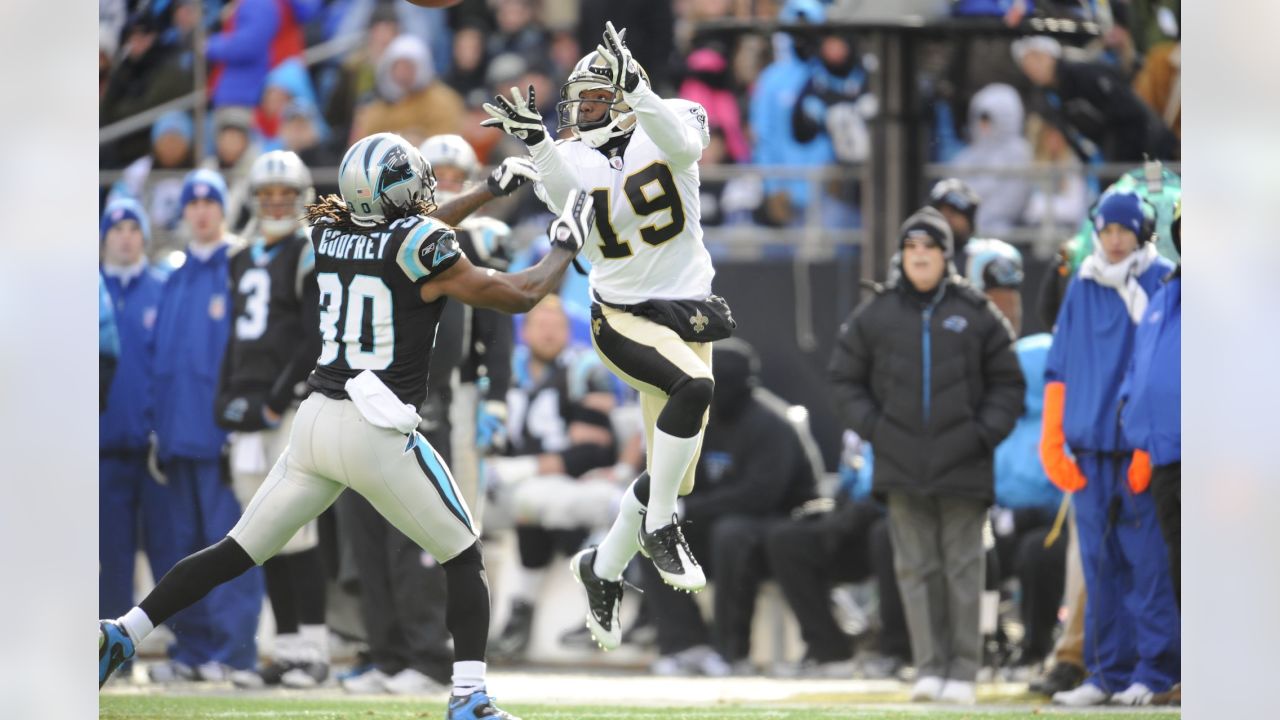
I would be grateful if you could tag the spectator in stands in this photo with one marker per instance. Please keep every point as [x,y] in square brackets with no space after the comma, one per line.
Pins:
[518,31]
[1132,639]
[1094,100]
[558,429]
[925,368]
[773,101]
[709,83]
[171,137]
[1159,84]
[1064,199]
[467,75]
[1026,502]
[835,101]
[355,81]
[756,467]
[235,148]
[241,55]
[146,74]
[726,202]
[411,100]
[842,541]
[1151,399]
[191,331]
[132,506]
[996,144]
[286,83]
[301,132]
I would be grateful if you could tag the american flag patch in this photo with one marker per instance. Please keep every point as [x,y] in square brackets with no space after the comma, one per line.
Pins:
[364,192]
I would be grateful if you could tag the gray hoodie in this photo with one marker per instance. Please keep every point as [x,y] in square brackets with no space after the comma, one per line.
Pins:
[1001,146]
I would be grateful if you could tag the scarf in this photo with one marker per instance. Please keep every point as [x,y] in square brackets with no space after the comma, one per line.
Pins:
[125,273]
[1122,276]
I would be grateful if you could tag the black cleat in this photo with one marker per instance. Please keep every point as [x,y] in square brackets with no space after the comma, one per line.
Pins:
[670,554]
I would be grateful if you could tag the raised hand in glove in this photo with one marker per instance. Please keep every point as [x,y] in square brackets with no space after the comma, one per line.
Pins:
[512,173]
[517,117]
[570,229]
[619,65]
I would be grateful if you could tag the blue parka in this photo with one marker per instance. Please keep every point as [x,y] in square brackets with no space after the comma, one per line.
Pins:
[1020,478]
[128,419]
[1153,387]
[190,338]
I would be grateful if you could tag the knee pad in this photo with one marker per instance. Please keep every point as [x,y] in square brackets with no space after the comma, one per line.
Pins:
[688,402]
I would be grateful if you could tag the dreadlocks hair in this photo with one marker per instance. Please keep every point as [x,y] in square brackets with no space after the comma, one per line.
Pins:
[332,210]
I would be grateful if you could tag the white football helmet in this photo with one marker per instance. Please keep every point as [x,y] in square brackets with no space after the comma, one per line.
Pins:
[450,151]
[281,167]
[589,74]
[383,178]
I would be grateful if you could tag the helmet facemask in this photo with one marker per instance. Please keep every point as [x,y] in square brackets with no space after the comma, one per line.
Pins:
[618,120]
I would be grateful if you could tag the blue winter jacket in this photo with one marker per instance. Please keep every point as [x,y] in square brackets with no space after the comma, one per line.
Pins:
[245,52]
[776,93]
[128,418]
[1092,345]
[190,338]
[1020,478]
[108,333]
[1153,387]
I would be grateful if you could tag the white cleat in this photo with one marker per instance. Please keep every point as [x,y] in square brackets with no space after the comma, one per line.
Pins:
[604,601]
[670,554]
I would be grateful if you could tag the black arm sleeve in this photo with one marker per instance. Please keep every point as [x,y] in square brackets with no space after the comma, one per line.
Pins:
[803,126]
[850,376]
[304,358]
[584,457]
[1005,385]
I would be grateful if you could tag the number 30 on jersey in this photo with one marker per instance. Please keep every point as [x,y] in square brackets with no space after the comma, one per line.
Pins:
[363,309]
[651,190]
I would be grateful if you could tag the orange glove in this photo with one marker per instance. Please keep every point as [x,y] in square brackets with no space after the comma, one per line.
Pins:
[1059,466]
[1140,472]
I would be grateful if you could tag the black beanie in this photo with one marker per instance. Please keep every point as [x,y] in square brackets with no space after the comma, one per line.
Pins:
[929,221]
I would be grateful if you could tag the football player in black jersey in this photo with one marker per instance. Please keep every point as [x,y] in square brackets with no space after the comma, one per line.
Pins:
[275,338]
[384,268]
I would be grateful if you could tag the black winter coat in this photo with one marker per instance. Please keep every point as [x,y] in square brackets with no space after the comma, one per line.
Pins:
[934,384]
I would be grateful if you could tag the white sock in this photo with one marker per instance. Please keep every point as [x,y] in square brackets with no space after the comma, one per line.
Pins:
[137,624]
[315,641]
[622,542]
[468,677]
[529,584]
[671,458]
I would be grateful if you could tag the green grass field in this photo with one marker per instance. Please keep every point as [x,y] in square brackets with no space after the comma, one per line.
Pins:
[138,707]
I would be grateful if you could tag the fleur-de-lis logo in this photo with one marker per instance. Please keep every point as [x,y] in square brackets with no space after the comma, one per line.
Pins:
[698,321]
[595,326]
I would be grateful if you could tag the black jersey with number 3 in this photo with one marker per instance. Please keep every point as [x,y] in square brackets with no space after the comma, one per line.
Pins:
[372,316]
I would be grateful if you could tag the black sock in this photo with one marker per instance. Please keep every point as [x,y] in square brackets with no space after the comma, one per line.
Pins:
[307,570]
[193,577]
[280,589]
[467,612]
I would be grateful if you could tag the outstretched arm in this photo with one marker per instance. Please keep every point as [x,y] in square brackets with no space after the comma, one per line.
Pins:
[519,292]
[520,118]
[504,180]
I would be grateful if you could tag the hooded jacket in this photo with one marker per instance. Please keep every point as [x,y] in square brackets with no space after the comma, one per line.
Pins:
[425,109]
[1001,146]
[1152,390]
[933,383]
[1092,347]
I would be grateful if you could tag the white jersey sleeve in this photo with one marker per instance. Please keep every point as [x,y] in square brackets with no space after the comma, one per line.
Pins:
[677,127]
[559,176]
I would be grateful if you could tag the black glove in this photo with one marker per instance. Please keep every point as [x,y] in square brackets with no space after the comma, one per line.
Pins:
[511,174]
[619,65]
[517,117]
[571,228]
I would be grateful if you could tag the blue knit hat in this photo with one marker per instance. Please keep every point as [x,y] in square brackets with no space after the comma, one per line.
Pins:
[1126,209]
[176,121]
[203,183]
[120,210]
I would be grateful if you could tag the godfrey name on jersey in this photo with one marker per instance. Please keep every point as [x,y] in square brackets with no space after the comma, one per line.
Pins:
[347,246]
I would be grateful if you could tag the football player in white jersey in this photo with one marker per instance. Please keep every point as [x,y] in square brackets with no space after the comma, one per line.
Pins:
[653,315]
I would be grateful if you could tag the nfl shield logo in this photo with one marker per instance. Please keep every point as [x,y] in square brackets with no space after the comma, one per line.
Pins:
[217,307]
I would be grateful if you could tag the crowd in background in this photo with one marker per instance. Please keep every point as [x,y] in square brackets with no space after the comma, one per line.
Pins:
[949,497]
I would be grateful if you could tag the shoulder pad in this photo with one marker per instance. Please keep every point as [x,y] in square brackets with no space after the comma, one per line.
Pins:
[430,248]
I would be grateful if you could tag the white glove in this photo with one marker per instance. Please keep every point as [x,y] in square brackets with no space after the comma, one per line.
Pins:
[511,174]
[517,117]
[570,230]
